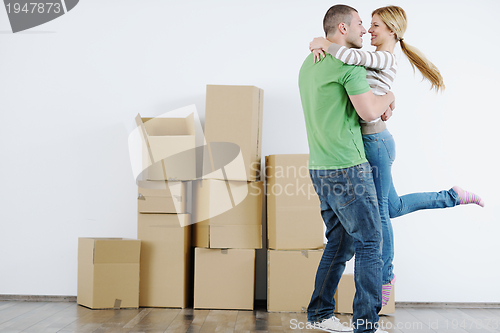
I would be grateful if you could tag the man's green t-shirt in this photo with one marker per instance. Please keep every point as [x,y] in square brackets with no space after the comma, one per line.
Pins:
[332,124]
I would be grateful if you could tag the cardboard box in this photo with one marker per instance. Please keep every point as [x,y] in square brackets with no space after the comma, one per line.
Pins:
[344,296]
[227,214]
[224,278]
[290,279]
[165,260]
[108,273]
[233,119]
[169,148]
[293,209]
[162,197]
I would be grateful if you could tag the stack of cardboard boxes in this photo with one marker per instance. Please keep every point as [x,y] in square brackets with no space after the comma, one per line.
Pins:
[227,201]
[226,222]
[295,233]
[164,225]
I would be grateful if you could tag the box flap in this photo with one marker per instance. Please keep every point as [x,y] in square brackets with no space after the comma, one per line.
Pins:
[118,250]
[144,135]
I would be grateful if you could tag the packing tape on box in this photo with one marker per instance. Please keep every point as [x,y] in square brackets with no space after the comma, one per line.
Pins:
[305,253]
[118,303]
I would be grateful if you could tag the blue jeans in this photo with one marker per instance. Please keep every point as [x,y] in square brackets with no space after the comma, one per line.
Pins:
[350,212]
[380,150]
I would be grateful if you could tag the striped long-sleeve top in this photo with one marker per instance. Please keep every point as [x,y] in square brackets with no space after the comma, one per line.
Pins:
[381,66]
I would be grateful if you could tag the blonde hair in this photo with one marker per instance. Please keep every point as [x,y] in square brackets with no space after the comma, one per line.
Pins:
[395,19]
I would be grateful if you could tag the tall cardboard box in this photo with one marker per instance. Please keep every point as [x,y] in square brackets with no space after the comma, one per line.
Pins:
[108,273]
[344,296]
[290,279]
[227,214]
[293,209]
[162,197]
[169,148]
[165,260]
[233,115]
[224,279]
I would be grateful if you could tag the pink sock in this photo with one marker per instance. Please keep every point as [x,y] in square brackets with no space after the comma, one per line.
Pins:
[468,197]
[387,290]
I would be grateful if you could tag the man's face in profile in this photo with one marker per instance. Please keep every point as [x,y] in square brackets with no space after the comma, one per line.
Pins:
[355,32]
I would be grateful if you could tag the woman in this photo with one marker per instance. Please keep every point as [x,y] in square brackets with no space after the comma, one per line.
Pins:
[387,29]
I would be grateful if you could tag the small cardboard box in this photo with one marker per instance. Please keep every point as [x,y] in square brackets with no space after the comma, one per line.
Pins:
[290,279]
[165,260]
[169,148]
[224,278]
[233,115]
[108,273]
[227,214]
[293,209]
[162,197]
[344,296]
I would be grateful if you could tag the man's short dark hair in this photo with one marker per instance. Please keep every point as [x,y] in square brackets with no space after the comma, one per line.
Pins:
[335,15]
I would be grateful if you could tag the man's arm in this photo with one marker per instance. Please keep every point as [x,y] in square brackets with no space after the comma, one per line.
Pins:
[369,106]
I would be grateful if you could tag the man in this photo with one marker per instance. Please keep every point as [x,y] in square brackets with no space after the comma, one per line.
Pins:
[334,95]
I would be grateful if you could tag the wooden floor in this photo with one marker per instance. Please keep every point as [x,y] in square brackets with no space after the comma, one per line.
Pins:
[45,317]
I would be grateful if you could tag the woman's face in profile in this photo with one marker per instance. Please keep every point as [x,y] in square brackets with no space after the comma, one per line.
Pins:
[380,33]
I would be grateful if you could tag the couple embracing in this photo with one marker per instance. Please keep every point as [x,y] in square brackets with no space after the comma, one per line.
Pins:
[346,98]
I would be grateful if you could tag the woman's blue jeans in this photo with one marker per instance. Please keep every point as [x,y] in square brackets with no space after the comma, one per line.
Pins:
[380,150]
[350,211]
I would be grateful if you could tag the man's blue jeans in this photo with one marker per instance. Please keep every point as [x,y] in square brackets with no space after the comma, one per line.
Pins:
[350,212]
[380,150]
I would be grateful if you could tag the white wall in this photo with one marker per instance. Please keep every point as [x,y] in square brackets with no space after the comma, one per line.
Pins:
[70,87]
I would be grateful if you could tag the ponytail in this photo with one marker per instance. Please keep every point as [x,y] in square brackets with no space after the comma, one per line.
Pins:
[394,18]
[428,70]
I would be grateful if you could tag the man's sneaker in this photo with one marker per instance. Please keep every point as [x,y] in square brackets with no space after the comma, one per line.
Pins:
[332,324]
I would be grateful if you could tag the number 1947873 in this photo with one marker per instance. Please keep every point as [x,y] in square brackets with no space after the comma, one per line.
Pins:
[34,7]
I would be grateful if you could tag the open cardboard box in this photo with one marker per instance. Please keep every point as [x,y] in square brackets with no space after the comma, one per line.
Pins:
[169,148]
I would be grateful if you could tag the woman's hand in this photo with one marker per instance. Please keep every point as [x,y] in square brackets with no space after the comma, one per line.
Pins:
[317,54]
[319,43]
[387,114]
[318,47]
